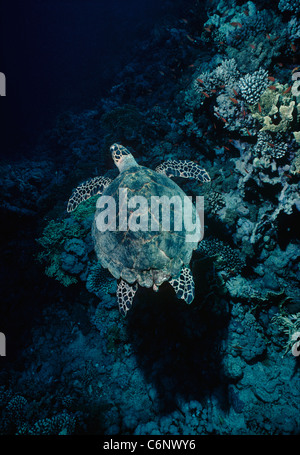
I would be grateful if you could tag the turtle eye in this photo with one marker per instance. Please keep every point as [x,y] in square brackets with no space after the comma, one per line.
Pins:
[118,151]
[114,148]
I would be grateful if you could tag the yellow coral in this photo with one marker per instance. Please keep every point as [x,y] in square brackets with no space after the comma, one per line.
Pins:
[295,167]
[278,102]
[297,136]
[286,116]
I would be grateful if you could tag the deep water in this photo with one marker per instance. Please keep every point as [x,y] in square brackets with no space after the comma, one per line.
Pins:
[213,83]
[61,55]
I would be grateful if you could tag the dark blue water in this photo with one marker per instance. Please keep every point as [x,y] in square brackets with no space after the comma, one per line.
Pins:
[154,76]
[57,56]
[60,55]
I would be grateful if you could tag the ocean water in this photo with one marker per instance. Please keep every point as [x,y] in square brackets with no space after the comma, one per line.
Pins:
[65,55]
[205,97]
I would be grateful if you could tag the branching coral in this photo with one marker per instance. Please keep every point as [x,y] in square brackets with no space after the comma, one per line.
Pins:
[223,75]
[223,83]
[293,28]
[16,409]
[243,29]
[289,5]
[227,259]
[62,424]
[214,201]
[253,85]
[267,145]
[227,72]
[234,115]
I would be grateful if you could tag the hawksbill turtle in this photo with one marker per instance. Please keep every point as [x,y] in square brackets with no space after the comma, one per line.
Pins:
[145,257]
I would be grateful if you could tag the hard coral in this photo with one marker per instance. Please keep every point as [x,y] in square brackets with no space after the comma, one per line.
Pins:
[99,280]
[277,109]
[227,258]
[289,5]
[275,147]
[253,85]
[55,236]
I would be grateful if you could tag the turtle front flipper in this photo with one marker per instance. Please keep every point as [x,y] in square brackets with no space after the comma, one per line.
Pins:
[184,285]
[186,169]
[85,190]
[125,295]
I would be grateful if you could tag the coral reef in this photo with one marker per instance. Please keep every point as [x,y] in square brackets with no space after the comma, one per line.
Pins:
[220,87]
[252,85]
[289,5]
[290,325]
[228,259]
[100,281]
[62,250]
[244,29]
[278,109]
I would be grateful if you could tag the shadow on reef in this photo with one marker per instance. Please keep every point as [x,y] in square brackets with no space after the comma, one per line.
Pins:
[288,228]
[178,346]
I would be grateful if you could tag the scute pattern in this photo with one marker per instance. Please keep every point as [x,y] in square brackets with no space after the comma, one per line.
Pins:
[134,254]
[184,285]
[186,169]
[148,257]
[125,294]
[91,187]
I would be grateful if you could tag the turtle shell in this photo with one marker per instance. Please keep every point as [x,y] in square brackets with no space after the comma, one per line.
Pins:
[146,256]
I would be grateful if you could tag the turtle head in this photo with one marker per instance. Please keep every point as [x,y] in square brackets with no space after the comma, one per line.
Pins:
[123,159]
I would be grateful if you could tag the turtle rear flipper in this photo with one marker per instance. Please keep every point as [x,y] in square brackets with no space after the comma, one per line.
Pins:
[185,168]
[184,285]
[85,190]
[125,295]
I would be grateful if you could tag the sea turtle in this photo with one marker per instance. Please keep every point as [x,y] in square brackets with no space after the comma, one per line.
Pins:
[151,255]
